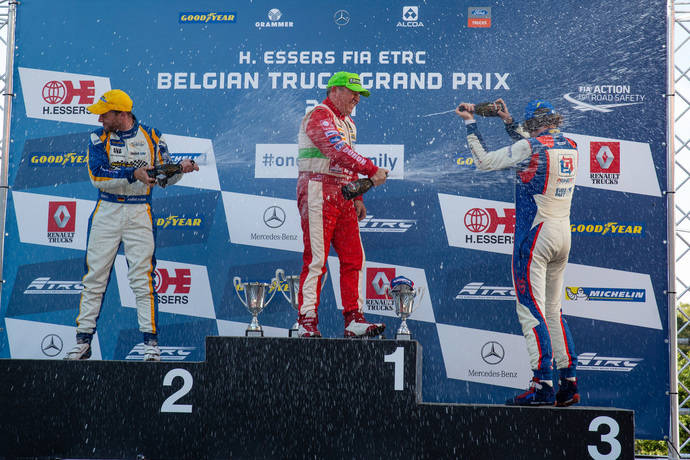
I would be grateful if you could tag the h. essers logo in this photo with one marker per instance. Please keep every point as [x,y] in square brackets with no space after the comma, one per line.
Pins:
[60,94]
[484,222]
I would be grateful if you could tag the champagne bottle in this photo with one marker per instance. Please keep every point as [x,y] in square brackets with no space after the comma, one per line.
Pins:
[356,188]
[165,169]
[486,109]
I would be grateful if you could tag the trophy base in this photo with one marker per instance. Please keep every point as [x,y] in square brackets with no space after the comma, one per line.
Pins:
[399,336]
[249,333]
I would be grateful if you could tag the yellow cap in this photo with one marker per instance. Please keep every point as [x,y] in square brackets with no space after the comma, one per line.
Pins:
[115,99]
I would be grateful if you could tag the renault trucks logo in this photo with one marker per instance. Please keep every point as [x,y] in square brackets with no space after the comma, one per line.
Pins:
[595,362]
[378,279]
[577,293]
[173,285]
[477,290]
[61,221]
[603,98]
[410,17]
[604,162]
[64,92]
[490,225]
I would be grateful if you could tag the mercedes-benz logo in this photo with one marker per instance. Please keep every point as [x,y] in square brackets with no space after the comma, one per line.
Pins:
[51,345]
[341,17]
[493,353]
[274,216]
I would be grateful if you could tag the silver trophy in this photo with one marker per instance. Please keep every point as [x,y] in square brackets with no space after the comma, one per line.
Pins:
[404,300]
[254,300]
[293,291]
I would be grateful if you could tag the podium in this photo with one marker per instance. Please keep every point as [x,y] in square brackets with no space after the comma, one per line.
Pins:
[280,398]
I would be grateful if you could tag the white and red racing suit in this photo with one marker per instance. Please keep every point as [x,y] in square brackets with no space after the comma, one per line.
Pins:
[546,167]
[122,214]
[326,162]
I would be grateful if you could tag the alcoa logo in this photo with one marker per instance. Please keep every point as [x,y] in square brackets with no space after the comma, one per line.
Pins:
[410,17]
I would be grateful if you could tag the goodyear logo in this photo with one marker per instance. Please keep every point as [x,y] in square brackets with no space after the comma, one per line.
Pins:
[465,161]
[179,222]
[208,17]
[604,294]
[608,228]
[58,159]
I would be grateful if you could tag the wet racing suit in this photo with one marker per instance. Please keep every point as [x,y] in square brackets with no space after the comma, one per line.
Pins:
[326,162]
[546,167]
[122,214]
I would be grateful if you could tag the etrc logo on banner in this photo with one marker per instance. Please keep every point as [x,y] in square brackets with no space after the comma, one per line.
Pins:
[168,353]
[477,290]
[378,225]
[593,362]
[224,17]
[61,96]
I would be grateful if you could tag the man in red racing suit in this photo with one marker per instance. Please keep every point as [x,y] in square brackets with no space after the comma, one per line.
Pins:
[326,162]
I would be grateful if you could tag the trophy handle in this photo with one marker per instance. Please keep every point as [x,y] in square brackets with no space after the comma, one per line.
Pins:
[387,290]
[280,278]
[276,283]
[418,298]
[236,281]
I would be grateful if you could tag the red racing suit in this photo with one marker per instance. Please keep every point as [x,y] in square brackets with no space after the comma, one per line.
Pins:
[326,162]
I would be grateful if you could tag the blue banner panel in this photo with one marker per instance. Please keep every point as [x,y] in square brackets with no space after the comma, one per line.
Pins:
[228,86]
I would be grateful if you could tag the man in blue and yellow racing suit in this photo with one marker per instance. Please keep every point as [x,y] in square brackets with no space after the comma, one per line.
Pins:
[546,164]
[119,156]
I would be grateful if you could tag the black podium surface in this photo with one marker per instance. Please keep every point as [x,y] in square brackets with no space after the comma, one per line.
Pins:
[280,398]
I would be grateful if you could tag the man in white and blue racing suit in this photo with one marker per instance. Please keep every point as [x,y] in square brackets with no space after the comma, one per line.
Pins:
[546,164]
[119,156]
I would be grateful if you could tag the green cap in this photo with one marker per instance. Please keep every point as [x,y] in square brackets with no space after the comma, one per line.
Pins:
[349,81]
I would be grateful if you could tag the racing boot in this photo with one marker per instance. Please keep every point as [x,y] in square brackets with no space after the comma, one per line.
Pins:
[357,326]
[151,350]
[82,350]
[308,325]
[567,393]
[539,393]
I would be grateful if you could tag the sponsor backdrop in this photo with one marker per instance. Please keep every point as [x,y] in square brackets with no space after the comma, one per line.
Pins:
[228,84]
